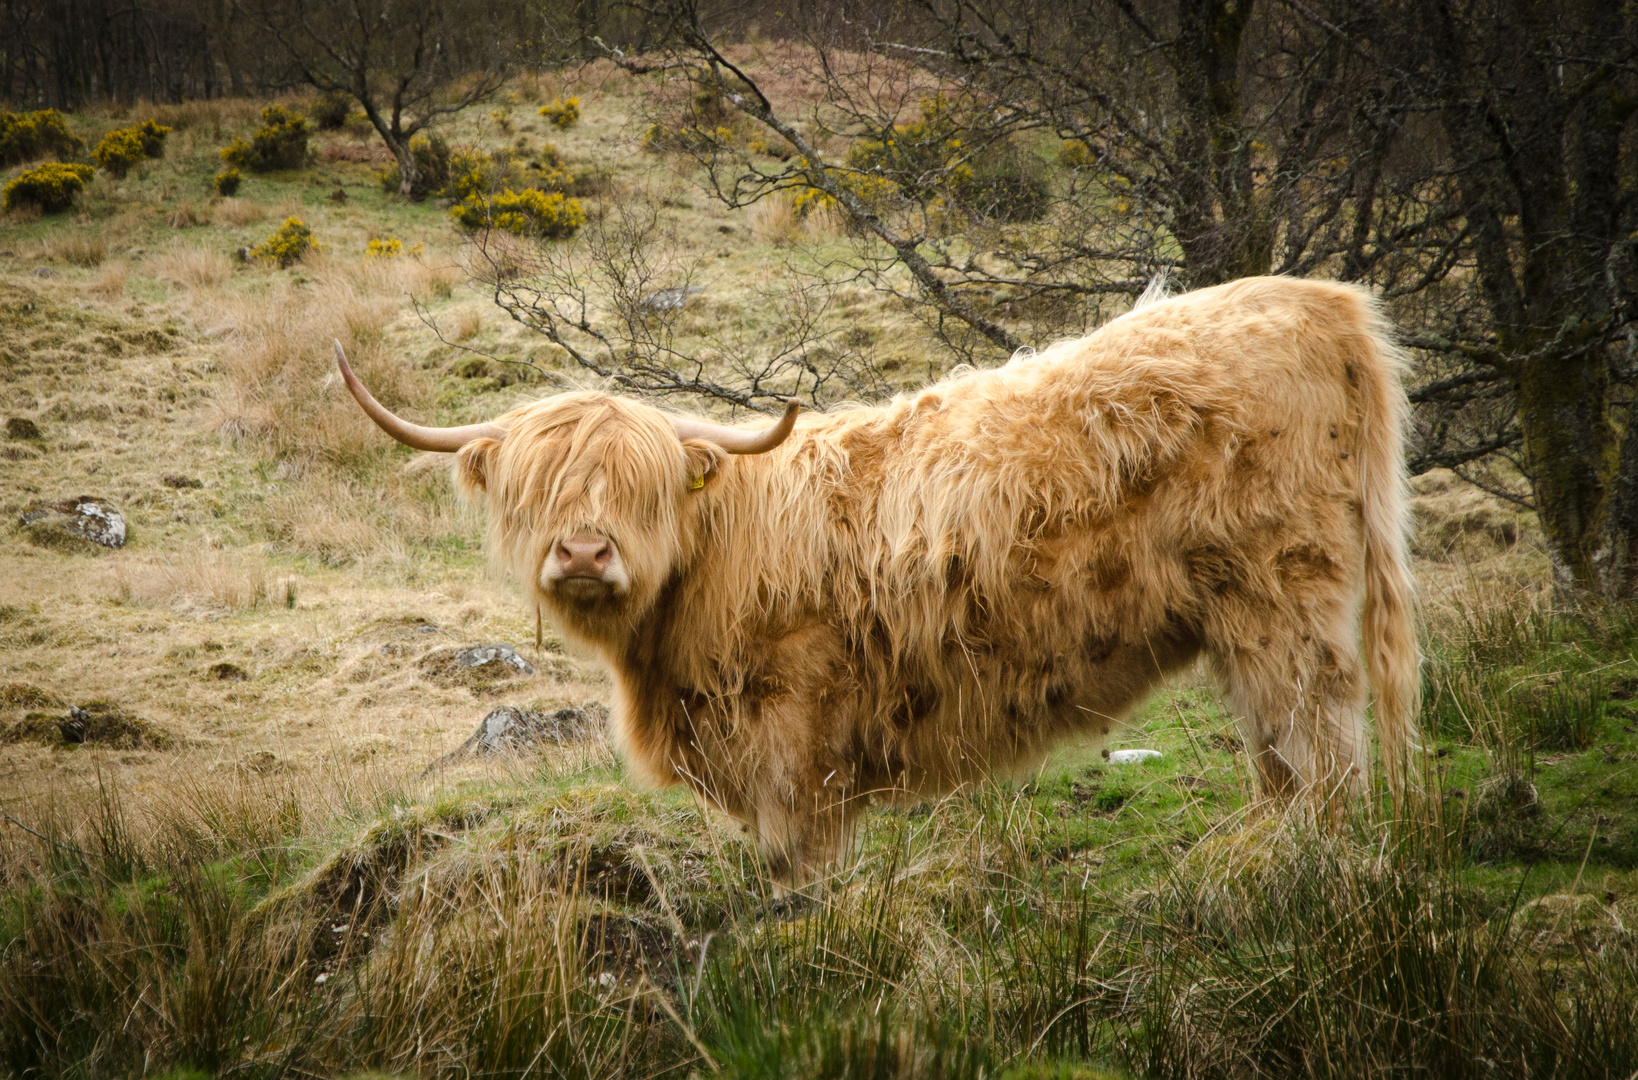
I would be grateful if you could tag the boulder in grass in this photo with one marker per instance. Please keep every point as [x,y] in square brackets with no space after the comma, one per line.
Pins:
[671,299]
[74,524]
[509,729]
[476,667]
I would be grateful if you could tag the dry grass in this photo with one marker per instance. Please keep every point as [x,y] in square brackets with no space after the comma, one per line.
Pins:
[212,115]
[467,324]
[774,221]
[419,277]
[282,389]
[200,580]
[236,212]
[192,268]
[109,283]
[186,216]
[77,247]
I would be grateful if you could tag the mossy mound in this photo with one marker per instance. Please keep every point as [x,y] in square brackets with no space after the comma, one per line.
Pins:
[96,723]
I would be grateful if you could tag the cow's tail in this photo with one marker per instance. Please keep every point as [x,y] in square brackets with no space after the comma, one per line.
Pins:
[1389,619]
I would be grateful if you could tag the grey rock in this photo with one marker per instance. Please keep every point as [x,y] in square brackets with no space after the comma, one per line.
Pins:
[509,729]
[85,518]
[671,299]
[482,655]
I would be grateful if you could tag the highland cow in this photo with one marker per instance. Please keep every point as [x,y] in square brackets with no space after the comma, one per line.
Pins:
[901,599]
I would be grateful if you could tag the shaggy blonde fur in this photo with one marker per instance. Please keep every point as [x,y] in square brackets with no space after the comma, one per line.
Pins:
[901,599]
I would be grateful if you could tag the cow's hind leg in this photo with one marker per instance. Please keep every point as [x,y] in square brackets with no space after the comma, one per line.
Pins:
[1298,685]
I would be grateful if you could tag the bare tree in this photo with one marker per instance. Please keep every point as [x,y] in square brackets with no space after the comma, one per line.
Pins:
[407,63]
[620,299]
[1536,106]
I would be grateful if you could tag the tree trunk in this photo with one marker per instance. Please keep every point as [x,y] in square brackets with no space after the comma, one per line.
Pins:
[409,175]
[1573,454]
[1223,226]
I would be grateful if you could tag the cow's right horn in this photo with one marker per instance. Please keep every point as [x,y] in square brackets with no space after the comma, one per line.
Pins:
[441,440]
[736,441]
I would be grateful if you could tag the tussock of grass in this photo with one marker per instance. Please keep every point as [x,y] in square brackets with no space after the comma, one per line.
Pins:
[192,267]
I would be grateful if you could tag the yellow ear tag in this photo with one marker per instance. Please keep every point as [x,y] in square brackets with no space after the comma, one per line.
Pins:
[697,484]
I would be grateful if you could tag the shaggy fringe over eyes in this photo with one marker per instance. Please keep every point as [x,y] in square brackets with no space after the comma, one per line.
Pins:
[579,461]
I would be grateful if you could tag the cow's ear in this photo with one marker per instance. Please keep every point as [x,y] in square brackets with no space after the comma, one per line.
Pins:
[473,463]
[704,459]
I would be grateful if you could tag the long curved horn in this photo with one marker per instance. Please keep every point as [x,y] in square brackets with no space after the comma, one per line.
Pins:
[442,440]
[736,441]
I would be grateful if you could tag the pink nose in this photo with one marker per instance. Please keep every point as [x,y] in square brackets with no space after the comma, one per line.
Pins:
[584,556]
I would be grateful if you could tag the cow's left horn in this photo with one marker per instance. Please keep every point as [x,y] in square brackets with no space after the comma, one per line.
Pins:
[736,441]
[442,440]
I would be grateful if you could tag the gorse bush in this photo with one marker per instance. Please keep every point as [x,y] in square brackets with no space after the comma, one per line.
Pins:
[562,112]
[280,143]
[470,175]
[123,148]
[331,110]
[431,156]
[119,151]
[288,243]
[152,133]
[26,136]
[226,183]
[937,158]
[50,187]
[548,215]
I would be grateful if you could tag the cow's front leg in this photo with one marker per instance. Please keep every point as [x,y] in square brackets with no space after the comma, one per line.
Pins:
[805,818]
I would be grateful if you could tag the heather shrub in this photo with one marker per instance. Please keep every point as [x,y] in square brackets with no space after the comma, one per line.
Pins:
[26,136]
[50,187]
[280,143]
[287,245]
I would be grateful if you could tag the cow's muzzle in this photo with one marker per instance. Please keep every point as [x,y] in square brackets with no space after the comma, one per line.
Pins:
[585,566]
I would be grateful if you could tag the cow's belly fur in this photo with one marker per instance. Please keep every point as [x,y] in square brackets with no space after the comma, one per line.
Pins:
[820,721]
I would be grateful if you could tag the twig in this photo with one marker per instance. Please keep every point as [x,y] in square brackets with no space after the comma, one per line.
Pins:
[43,836]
